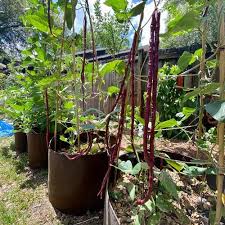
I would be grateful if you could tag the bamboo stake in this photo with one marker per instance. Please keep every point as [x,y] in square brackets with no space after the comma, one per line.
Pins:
[202,76]
[220,176]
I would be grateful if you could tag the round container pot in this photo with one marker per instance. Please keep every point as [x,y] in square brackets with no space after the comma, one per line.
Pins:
[37,150]
[20,142]
[73,184]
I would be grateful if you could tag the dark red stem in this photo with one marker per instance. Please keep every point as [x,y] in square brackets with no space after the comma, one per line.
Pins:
[114,150]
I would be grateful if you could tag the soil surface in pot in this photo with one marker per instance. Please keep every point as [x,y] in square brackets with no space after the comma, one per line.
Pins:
[192,206]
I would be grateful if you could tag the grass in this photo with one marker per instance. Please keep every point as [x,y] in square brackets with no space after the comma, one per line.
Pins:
[23,194]
[18,191]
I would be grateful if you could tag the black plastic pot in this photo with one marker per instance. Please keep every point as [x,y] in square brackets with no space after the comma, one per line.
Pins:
[73,184]
[37,150]
[20,142]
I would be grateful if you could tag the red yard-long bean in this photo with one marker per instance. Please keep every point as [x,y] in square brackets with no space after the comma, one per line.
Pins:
[151,101]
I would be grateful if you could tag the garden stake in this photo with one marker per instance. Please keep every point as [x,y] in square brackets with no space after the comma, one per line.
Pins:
[220,128]
[57,86]
[49,17]
[47,116]
[202,73]
[151,101]
[95,58]
[84,55]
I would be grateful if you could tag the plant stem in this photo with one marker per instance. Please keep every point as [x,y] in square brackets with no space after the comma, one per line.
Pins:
[220,176]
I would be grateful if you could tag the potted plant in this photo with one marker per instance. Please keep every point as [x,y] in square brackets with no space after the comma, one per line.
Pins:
[14,110]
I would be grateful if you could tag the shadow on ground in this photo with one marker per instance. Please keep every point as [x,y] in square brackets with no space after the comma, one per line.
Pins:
[90,218]
[35,178]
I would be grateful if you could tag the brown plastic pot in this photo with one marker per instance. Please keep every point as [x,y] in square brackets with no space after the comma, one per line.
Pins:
[110,217]
[73,185]
[37,150]
[20,142]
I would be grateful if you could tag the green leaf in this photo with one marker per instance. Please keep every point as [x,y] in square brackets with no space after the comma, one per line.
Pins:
[207,89]
[131,189]
[154,219]
[38,22]
[183,23]
[163,204]
[138,9]
[136,219]
[137,168]
[194,171]
[216,110]
[69,17]
[122,16]
[150,206]
[47,81]
[176,165]
[184,60]
[187,111]
[116,5]
[69,105]
[112,90]
[167,182]
[116,65]
[166,124]
[125,166]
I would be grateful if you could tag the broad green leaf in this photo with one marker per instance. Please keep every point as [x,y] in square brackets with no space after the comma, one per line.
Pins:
[69,105]
[187,111]
[116,5]
[136,219]
[38,22]
[112,90]
[194,171]
[176,165]
[122,16]
[41,53]
[139,119]
[166,124]
[167,182]
[216,110]
[150,205]
[69,16]
[207,89]
[211,64]
[19,108]
[137,168]
[131,189]
[183,23]
[163,204]
[198,53]
[117,65]
[154,219]
[125,166]
[47,81]
[138,9]
[62,138]
[184,60]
